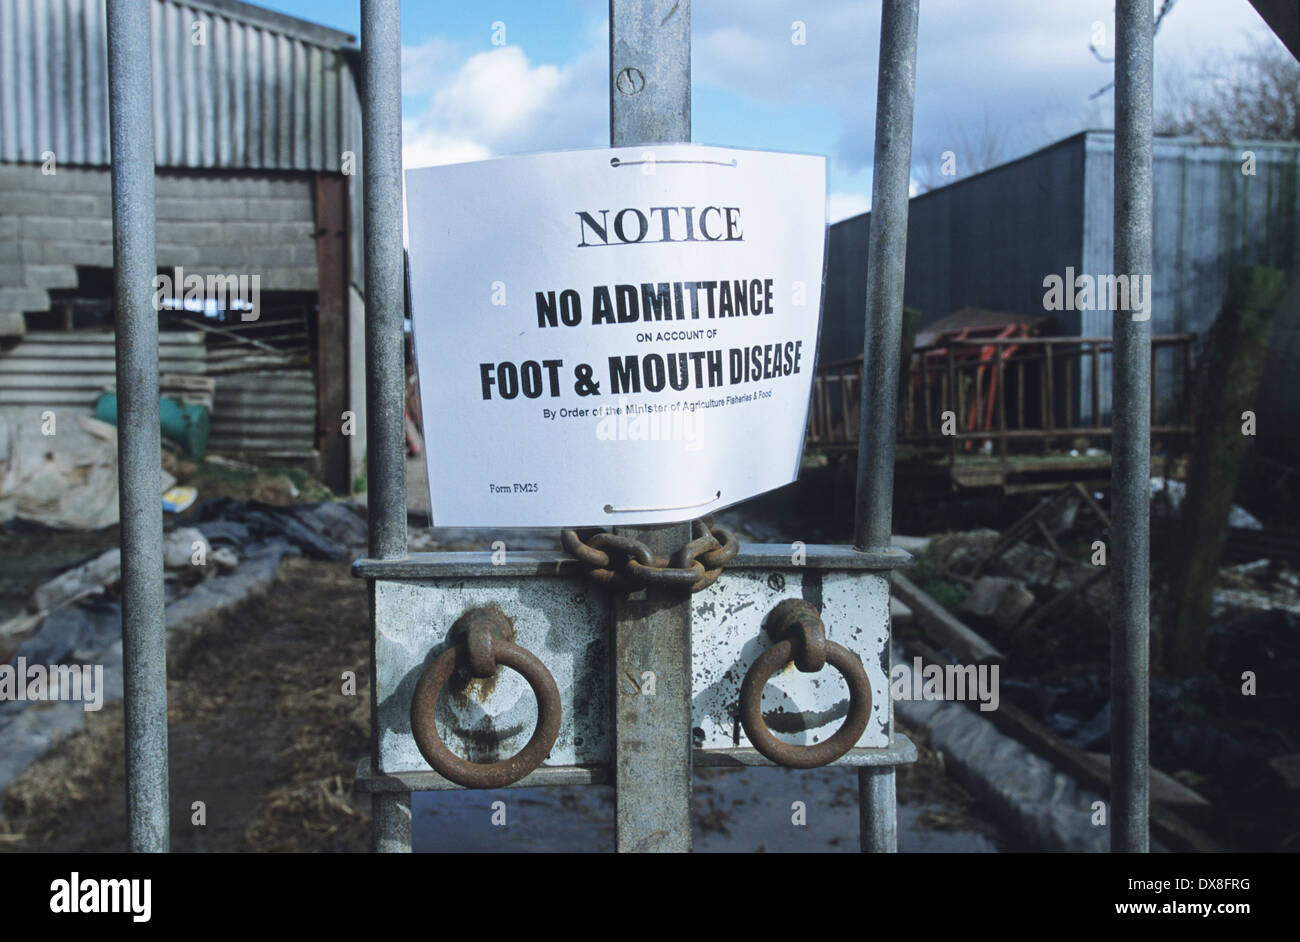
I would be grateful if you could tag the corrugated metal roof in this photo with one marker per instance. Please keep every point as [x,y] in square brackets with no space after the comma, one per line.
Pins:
[263,90]
[69,369]
[267,413]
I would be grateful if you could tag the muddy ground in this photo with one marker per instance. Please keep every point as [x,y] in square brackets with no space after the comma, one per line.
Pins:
[263,734]
[260,729]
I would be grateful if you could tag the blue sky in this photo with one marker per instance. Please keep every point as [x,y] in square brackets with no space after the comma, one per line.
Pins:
[1000,77]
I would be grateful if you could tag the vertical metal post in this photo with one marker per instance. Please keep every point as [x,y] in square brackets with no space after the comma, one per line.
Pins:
[878,808]
[139,450]
[390,823]
[381,56]
[1131,420]
[650,103]
[886,262]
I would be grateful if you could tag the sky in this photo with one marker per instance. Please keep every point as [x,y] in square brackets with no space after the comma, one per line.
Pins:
[483,79]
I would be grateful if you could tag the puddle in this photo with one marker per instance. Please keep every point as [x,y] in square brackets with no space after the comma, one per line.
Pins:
[742,810]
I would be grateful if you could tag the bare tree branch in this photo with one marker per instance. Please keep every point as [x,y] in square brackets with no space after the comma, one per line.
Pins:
[1165,9]
[1253,96]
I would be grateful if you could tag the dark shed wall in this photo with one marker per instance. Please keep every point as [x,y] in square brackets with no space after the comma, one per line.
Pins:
[845,301]
[986,241]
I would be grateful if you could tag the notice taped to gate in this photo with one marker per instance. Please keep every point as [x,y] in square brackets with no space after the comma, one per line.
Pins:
[609,337]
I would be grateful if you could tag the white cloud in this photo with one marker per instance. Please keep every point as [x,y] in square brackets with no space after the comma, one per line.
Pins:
[427,66]
[841,206]
[1021,67]
[428,148]
[493,93]
[498,102]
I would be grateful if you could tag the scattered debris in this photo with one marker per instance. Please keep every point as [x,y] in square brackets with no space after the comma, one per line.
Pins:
[1007,758]
[1288,769]
[180,547]
[59,471]
[225,558]
[179,499]
[1267,645]
[1224,732]
[1167,499]
[223,462]
[999,600]
[945,630]
[101,572]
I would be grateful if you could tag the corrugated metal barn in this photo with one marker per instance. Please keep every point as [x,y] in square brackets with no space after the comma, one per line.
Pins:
[988,241]
[258,149]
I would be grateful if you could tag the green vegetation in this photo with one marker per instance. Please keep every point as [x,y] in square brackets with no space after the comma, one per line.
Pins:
[926,575]
[269,485]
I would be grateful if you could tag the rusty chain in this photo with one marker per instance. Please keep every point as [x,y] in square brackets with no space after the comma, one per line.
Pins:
[627,564]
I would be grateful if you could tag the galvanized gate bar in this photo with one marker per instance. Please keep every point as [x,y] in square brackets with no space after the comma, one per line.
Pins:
[381,57]
[886,262]
[650,103]
[1131,420]
[901,752]
[139,447]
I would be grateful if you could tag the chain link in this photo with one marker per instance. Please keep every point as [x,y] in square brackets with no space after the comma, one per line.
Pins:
[627,565]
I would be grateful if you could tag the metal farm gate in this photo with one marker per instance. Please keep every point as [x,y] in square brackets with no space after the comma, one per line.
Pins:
[598,723]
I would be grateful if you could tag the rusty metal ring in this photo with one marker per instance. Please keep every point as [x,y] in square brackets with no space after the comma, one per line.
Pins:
[476,774]
[481,661]
[810,652]
[800,621]
[822,753]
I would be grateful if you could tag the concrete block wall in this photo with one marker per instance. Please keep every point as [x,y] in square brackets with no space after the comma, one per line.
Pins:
[209,223]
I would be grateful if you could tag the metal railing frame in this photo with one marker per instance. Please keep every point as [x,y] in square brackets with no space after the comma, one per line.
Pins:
[1047,403]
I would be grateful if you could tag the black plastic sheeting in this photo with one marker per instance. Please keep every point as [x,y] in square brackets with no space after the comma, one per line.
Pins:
[328,530]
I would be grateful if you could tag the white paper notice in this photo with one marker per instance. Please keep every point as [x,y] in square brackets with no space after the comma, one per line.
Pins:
[610,337]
